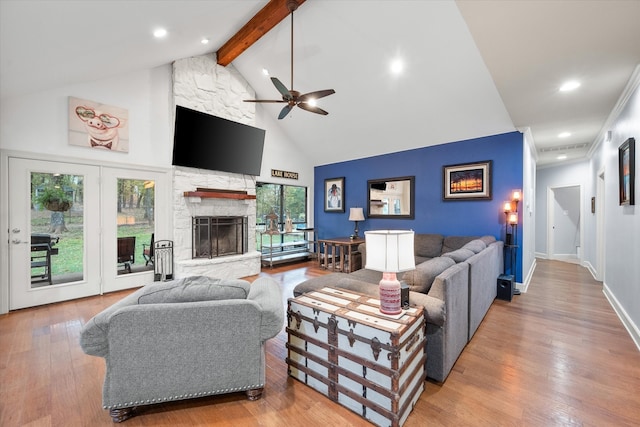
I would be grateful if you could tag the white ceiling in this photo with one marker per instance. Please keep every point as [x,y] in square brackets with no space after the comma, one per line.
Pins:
[473,68]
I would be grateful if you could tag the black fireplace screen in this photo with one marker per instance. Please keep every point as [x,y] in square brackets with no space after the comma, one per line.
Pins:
[216,236]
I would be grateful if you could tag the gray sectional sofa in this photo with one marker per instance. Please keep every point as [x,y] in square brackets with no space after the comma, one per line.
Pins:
[455,282]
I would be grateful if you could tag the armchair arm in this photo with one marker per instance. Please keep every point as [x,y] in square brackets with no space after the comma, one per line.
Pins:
[266,292]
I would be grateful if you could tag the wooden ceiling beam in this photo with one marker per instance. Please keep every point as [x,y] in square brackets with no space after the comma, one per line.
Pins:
[267,18]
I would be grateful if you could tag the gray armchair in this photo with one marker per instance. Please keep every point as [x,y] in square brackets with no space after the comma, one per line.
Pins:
[184,339]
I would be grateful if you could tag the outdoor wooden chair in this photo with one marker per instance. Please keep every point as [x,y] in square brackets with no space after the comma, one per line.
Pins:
[147,251]
[127,252]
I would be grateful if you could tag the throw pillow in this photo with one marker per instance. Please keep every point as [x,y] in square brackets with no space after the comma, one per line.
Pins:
[475,246]
[459,255]
[421,279]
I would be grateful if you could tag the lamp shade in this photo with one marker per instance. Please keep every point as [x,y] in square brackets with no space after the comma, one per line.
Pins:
[390,251]
[356,214]
[513,218]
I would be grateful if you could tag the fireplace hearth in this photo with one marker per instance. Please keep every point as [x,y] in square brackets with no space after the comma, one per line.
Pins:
[218,236]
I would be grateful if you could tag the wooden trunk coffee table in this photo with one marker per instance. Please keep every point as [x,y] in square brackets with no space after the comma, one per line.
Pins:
[342,346]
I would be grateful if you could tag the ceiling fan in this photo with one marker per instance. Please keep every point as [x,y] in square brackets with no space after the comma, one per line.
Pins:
[293,97]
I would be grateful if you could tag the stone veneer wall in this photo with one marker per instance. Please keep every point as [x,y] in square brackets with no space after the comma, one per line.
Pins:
[201,84]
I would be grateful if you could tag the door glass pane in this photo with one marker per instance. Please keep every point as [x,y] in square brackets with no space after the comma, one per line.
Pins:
[135,222]
[57,228]
[268,202]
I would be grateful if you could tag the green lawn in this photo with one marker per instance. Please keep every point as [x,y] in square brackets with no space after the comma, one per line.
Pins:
[70,244]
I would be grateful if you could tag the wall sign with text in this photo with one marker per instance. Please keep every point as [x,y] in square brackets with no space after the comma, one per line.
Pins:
[284,174]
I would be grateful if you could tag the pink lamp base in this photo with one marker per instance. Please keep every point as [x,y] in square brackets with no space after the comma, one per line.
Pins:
[390,294]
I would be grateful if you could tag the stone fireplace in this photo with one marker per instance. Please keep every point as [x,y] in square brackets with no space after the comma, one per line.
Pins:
[201,84]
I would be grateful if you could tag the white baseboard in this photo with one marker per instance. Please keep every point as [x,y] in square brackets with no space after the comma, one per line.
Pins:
[541,255]
[631,327]
[522,287]
[591,268]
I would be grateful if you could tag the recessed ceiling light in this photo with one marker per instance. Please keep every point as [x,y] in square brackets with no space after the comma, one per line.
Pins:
[159,33]
[564,134]
[397,66]
[562,157]
[265,72]
[204,41]
[569,86]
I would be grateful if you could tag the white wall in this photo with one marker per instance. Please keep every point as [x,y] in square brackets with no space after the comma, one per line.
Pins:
[38,122]
[622,223]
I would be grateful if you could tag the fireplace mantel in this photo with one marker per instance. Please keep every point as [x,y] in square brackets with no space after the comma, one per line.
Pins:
[219,195]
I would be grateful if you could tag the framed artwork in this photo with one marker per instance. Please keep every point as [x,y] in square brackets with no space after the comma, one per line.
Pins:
[467,181]
[334,195]
[98,126]
[627,171]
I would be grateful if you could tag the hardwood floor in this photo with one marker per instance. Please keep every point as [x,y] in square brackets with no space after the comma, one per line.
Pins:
[555,356]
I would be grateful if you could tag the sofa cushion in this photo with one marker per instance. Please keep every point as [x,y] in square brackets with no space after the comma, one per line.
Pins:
[320,282]
[451,243]
[360,286]
[475,246]
[488,239]
[459,255]
[420,279]
[427,245]
[194,288]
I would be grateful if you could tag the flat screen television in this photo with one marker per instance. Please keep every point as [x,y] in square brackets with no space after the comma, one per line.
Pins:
[208,142]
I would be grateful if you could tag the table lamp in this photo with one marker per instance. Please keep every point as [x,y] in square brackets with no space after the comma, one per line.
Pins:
[390,251]
[356,214]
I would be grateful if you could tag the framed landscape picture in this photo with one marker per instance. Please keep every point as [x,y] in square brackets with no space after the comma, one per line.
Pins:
[627,171]
[334,195]
[467,181]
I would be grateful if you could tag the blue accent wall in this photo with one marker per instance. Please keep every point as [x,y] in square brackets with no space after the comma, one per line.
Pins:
[432,213]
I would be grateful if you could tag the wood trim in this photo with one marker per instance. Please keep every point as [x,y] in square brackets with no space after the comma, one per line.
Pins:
[219,195]
[267,18]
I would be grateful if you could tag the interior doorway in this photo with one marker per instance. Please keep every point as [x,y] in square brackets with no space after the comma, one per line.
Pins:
[564,222]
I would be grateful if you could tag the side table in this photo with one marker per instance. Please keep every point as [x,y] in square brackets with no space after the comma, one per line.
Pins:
[338,253]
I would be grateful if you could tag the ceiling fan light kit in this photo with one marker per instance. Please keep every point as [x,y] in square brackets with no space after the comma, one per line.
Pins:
[292,97]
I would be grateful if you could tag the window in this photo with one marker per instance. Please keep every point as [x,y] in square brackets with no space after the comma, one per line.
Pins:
[284,201]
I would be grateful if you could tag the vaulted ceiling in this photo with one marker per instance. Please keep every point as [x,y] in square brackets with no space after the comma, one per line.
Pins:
[471,68]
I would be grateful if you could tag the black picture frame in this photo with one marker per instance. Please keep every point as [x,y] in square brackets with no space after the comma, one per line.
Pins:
[627,172]
[467,181]
[334,194]
[389,194]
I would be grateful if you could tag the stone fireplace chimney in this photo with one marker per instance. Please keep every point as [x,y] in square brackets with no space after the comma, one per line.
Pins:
[201,84]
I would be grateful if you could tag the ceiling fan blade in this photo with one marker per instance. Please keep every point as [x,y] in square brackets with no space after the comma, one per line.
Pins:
[264,100]
[316,95]
[285,111]
[311,108]
[281,88]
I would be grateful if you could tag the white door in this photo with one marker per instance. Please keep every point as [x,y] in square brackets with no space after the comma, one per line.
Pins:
[564,221]
[55,248]
[130,219]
